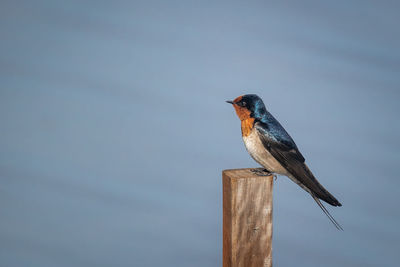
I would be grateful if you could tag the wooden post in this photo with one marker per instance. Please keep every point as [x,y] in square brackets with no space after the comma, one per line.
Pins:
[247,219]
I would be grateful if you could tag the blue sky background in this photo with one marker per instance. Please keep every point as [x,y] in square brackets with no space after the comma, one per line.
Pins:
[114,130]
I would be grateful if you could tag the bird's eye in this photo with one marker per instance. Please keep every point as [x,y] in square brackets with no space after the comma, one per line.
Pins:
[243,103]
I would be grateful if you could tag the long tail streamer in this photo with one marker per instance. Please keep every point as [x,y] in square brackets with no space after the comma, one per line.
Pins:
[337,225]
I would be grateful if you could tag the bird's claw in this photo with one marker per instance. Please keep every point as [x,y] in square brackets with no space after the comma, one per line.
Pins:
[261,172]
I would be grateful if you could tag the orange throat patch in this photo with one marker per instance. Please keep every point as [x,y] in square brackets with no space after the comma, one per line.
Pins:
[247,126]
[242,113]
[244,116]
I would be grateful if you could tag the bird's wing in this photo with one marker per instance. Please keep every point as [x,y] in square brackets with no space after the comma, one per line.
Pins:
[288,155]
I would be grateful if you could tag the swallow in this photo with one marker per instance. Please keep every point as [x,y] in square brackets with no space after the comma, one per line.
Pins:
[271,146]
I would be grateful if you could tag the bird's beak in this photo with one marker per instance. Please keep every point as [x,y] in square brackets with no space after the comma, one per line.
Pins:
[230,102]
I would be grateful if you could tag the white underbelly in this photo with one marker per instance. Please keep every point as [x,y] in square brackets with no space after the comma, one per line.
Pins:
[260,154]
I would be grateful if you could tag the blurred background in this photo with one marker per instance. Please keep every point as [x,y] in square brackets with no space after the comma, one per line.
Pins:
[114,128]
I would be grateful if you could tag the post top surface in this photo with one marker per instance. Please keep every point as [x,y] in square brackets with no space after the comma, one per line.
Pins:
[244,173]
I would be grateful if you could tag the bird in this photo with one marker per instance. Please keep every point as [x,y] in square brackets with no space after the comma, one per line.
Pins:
[271,146]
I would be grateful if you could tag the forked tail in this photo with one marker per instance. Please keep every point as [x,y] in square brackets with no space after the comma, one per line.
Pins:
[337,225]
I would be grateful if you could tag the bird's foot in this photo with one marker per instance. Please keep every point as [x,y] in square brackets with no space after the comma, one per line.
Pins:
[262,172]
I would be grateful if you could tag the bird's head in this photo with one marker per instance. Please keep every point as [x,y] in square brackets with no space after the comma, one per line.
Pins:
[248,106]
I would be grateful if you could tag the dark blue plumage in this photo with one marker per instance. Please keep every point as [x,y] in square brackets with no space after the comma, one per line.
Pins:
[270,145]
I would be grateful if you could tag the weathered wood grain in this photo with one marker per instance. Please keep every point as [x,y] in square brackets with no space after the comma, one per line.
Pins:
[247,219]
